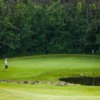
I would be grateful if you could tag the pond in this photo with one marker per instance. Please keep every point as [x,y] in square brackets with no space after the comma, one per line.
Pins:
[84,80]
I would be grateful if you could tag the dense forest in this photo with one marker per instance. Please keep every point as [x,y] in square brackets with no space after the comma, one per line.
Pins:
[49,26]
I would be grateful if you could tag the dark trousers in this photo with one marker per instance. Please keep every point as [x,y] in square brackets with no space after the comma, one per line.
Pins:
[6,66]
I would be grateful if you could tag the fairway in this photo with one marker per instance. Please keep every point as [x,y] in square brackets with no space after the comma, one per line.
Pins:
[49,68]
[50,92]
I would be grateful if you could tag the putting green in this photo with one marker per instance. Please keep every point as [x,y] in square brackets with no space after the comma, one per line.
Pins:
[50,67]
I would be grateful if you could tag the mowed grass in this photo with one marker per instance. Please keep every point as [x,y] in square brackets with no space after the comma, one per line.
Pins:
[48,68]
[11,91]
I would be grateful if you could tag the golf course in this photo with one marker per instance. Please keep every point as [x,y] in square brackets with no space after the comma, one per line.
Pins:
[45,71]
[49,49]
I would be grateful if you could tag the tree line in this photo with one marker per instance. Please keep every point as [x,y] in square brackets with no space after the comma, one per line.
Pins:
[31,27]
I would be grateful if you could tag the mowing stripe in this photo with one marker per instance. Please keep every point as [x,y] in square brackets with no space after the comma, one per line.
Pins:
[33,96]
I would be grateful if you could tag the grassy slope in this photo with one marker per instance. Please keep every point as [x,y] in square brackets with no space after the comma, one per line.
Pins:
[49,68]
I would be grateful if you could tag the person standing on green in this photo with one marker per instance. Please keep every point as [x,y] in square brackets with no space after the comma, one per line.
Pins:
[6,64]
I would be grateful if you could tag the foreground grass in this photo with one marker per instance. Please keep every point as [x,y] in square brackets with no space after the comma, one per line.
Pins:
[47,92]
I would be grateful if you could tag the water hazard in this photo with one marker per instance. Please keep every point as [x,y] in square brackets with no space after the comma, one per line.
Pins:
[91,81]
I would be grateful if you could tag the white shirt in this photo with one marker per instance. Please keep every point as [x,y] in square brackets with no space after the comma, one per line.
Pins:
[6,63]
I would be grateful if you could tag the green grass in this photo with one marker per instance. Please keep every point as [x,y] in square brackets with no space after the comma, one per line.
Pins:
[43,92]
[49,68]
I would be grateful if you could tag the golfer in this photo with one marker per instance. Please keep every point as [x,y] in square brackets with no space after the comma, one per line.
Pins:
[6,64]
